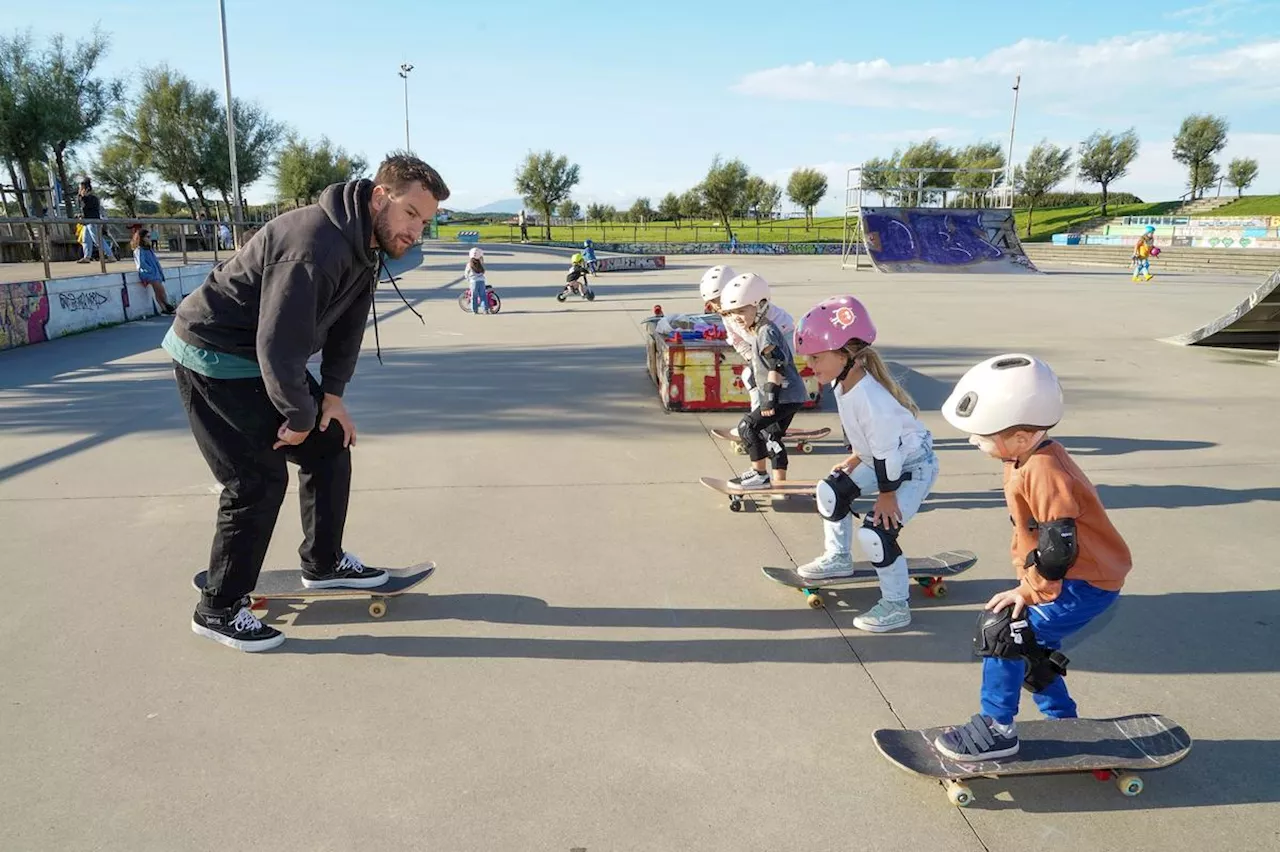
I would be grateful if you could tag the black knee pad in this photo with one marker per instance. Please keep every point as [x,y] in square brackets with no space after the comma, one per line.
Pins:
[880,544]
[1043,668]
[999,635]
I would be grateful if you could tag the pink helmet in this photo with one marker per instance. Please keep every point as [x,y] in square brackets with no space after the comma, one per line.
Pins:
[831,324]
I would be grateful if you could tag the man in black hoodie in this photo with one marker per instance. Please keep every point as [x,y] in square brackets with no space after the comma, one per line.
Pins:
[240,344]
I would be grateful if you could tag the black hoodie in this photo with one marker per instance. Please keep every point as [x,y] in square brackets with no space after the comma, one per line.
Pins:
[304,284]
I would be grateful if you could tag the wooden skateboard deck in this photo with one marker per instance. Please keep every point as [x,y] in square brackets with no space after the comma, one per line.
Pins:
[1109,748]
[928,571]
[802,438]
[737,495]
[287,585]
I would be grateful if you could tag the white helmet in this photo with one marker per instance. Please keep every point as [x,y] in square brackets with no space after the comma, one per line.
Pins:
[745,289]
[476,253]
[1008,390]
[713,281]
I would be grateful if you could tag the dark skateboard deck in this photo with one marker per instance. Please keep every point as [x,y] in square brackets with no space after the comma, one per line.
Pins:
[802,438]
[287,585]
[929,572]
[1110,748]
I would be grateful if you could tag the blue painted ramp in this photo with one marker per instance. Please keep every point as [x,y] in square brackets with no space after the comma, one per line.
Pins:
[934,239]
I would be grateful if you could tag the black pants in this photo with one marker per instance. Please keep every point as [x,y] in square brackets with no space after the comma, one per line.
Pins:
[756,430]
[235,425]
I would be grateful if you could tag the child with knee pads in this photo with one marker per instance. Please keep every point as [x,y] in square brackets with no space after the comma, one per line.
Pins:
[892,456]
[713,282]
[1070,561]
[744,301]
[474,275]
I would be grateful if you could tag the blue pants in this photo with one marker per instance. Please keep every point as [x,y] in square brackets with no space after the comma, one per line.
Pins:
[1142,266]
[479,296]
[1078,604]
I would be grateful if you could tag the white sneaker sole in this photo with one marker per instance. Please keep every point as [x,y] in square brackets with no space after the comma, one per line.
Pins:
[969,758]
[881,627]
[238,644]
[347,582]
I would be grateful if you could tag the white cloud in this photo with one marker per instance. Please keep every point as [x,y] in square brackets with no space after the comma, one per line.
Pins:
[1214,12]
[1065,77]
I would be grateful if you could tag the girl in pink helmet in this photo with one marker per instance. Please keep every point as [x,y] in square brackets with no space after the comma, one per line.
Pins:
[474,275]
[892,456]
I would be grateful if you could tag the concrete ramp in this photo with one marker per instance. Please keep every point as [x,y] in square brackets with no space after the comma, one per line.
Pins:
[934,239]
[1252,324]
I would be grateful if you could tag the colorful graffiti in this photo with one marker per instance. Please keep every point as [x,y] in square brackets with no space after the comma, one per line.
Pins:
[24,313]
[630,264]
[905,239]
[711,248]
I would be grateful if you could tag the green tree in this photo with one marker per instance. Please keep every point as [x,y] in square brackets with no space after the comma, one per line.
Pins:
[1047,165]
[1203,177]
[724,188]
[1198,139]
[1105,157]
[880,175]
[544,180]
[76,100]
[987,156]
[1242,172]
[168,207]
[120,174]
[642,211]
[170,123]
[303,170]
[691,203]
[257,139]
[569,209]
[806,189]
[931,156]
[669,208]
[24,129]
[595,212]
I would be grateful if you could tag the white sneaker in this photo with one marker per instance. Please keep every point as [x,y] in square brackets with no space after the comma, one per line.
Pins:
[884,616]
[753,480]
[826,566]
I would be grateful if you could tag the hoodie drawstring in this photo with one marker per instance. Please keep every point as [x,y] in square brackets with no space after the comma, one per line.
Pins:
[377,343]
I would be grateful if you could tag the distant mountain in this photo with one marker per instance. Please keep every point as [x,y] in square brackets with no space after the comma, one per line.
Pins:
[506,205]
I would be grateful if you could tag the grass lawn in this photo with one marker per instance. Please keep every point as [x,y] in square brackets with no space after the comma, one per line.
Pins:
[1250,205]
[1046,222]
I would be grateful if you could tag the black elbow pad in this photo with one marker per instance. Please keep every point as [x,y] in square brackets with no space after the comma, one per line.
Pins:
[1057,550]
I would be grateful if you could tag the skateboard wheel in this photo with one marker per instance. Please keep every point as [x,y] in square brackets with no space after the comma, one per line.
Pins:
[804,447]
[739,450]
[960,795]
[813,599]
[735,505]
[1102,774]
[938,589]
[1130,785]
[377,609]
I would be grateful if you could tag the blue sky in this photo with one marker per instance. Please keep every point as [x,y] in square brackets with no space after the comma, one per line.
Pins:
[643,95]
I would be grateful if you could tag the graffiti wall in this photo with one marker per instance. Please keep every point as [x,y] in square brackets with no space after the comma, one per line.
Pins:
[711,248]
[1226,232]
[632,263]
[36,311]
[928,239]
[24,313]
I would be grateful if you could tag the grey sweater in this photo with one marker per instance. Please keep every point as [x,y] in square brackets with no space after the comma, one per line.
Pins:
[304,284]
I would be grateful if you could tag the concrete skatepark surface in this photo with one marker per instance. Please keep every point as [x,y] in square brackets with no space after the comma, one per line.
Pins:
[598,663]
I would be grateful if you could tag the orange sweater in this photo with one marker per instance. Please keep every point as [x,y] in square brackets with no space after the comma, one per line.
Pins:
[1051,487]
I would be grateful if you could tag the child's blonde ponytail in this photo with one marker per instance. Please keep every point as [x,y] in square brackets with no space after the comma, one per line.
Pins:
[876,368]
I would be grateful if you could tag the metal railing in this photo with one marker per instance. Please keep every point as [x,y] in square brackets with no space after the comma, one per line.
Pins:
[45,235]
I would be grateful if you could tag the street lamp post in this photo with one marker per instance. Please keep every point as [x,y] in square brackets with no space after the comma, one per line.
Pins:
[405,68]
[231,128]
[1017,83]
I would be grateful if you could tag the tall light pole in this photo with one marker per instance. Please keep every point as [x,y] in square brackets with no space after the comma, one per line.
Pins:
[1017,82]
[405,68]
[231,128]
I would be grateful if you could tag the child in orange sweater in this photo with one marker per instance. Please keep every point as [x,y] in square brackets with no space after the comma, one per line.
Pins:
[1070,561]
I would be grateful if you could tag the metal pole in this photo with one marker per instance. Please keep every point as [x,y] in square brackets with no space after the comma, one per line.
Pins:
[405,68]
[1008,165]
[231,130]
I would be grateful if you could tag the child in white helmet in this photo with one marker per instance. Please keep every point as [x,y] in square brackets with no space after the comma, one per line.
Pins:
[744,301]
[713,281]
[1070,561]
[892,457]
[474,274]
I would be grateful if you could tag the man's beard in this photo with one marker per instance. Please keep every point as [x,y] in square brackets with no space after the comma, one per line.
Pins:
[385,238]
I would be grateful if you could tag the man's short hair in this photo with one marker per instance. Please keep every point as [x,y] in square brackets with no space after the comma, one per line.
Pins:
[400,169]
[85,183]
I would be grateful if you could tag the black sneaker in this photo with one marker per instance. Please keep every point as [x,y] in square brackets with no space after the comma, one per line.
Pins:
[350,574]
[976,740]
[236,627]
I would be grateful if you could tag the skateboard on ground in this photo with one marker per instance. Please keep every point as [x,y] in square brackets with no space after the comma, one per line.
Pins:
[1109,748]
[928,571]
[287,585]
[737,495]
[802,438]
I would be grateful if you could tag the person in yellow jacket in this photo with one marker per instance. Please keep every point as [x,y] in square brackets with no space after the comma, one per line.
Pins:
[1143,251]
